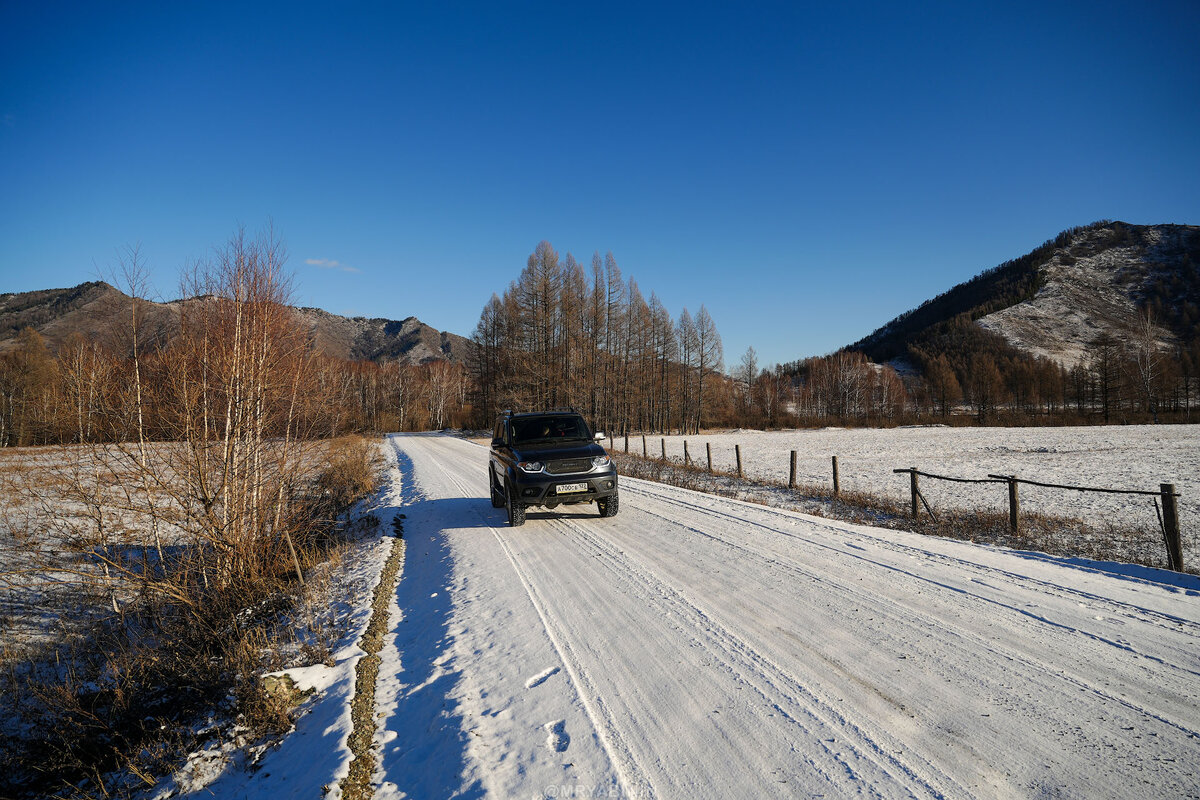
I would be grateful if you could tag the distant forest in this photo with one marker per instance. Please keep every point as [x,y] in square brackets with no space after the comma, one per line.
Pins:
[561,335]
[559,338]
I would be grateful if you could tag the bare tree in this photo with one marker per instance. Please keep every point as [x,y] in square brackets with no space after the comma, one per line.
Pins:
[1144,356]
[943,384]
[709,358]
[1104,364]
[687,339]
[986,386]
[745,375]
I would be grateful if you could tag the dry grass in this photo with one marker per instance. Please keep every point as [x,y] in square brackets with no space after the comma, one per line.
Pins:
[351,471]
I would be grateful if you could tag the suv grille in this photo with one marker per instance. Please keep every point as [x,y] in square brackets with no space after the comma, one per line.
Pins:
[568,465]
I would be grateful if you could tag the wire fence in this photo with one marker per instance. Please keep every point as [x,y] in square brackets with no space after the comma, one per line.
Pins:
[1167,512]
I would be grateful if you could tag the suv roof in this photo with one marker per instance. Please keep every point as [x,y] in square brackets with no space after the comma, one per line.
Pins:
[548,412]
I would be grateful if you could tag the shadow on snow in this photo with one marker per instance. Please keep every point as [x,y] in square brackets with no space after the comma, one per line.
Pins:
[427,758]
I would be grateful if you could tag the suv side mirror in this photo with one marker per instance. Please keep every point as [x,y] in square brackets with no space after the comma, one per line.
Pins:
[600,437]
[497,442]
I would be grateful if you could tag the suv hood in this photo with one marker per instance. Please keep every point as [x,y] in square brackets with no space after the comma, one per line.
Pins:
[544,452]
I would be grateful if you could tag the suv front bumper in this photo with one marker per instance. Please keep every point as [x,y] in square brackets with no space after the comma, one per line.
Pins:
[541,488]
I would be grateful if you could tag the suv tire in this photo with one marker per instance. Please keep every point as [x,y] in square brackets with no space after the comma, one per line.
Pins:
[497,496]
[608,506]
[516,511]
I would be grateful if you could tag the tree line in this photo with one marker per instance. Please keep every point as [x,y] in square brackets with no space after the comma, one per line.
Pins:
[1133,378]
[559,337]
[88,391]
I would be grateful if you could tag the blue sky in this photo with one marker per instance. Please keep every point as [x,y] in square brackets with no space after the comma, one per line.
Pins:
[807,171]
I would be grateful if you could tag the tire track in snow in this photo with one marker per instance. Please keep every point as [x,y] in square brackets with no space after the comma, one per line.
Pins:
[619,752]
[773,684]
[1175,625]
[675,495]
[1036,668]
[625,764]
[1167,622]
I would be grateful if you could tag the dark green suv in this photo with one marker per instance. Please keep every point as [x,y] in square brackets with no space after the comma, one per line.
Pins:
[549,458]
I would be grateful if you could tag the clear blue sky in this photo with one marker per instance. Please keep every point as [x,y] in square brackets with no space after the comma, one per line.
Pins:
[807,171]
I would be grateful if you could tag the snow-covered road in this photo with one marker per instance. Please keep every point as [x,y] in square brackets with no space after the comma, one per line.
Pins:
[698,646]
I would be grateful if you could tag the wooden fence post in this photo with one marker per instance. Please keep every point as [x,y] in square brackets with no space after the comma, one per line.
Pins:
[792,472]
[708,447]
[686,458]
[626,441]
[836,487]
[737,449]
[644,454]
[1171,526]
[664,449]
[1014,504]
[916,492]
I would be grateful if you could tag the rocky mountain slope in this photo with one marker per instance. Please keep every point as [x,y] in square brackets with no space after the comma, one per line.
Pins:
[1098,284]
[1054,301]
[97,311]
[376,339]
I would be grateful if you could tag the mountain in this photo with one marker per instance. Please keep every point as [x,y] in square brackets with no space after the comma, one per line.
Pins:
[408,340]
[96,310]
[1055,300]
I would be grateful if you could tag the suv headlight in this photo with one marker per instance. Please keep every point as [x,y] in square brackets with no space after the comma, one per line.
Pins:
[600,461]
[530,466]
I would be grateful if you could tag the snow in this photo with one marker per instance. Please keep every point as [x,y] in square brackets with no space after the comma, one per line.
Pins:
[1113,456]
[470,678]
[695,645]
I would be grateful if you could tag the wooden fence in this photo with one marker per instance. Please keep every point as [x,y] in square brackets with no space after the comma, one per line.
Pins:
[1168,511]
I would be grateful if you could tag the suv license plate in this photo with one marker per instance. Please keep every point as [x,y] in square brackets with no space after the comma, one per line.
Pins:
[567,488]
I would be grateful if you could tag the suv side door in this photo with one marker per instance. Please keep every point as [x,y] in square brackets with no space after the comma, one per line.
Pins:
[501,454]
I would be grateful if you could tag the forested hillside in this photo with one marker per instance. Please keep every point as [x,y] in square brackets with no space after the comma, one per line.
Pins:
[948,315]
[1101,317]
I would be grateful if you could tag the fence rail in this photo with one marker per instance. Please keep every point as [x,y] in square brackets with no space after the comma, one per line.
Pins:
[1076,488]
[1168,514]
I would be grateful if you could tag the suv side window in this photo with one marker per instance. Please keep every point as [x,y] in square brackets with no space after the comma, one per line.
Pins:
[499,433]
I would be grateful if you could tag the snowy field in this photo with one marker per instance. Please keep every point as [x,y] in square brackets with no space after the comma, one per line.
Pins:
[1119,457]
[699,646]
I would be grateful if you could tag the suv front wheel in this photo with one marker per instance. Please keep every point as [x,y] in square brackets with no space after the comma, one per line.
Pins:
[608,506]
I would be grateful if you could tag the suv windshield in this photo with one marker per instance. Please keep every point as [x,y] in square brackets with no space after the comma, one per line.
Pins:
[549,429]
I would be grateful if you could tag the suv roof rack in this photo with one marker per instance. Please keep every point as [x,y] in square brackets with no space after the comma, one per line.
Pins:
[509,413]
